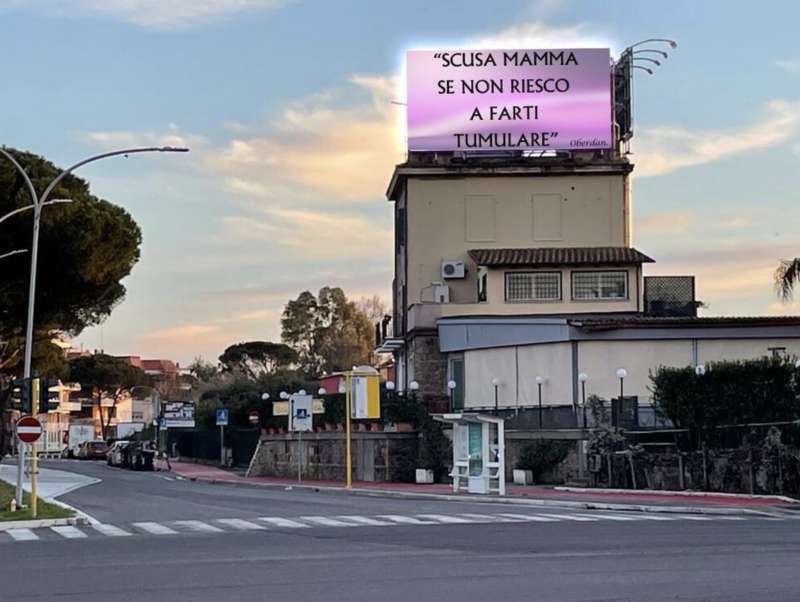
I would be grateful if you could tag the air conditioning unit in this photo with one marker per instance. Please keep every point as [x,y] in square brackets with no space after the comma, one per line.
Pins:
[453,269]
[441,293]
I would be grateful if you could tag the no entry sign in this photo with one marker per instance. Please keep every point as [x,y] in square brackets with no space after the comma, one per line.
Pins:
[29,429]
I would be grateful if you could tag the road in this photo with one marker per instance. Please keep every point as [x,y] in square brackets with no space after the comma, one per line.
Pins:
[160,539]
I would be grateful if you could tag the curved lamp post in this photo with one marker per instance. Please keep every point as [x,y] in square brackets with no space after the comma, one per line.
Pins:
[39,201]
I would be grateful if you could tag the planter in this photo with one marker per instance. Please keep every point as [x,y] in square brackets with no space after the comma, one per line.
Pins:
[424,476]
[361,427]
[403,427]
[329,426]
[523,477]
[376,426]
[340,427]
[271,430]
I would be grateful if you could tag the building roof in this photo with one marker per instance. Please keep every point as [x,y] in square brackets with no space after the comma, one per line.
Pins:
[553,256]
[602,324]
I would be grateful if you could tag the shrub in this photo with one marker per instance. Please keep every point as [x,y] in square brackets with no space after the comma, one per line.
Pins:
[542,455]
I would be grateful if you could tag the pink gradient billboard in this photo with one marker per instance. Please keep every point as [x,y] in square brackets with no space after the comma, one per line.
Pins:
[472,100]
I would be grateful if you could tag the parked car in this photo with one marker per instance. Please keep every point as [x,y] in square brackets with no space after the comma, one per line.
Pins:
[118,454]
[141,455]
[92,450]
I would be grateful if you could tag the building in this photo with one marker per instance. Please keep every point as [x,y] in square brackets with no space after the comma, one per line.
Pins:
[509,268]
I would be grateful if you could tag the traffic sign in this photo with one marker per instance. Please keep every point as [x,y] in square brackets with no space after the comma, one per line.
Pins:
[222,416]
[29,429]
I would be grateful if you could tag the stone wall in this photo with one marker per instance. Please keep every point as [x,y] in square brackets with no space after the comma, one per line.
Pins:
[377,457]
[428,366]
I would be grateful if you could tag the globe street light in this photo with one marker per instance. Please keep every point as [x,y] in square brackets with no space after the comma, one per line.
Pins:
[451,386]
[321,391]
[414,386]
[301,392]
[496,385]
[621,374]
[389,385]
[284,395]
[265,396]
[539,382]
[699,369]
[583,377]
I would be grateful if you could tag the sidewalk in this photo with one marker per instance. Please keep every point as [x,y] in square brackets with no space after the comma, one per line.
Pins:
[625,499]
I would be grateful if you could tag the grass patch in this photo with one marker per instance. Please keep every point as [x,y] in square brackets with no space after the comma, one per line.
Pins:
[45,509]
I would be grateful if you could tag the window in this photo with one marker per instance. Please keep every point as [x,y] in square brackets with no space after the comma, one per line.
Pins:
[599,285]
[533,286]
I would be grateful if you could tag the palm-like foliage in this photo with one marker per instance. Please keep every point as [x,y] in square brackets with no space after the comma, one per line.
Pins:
[787,276]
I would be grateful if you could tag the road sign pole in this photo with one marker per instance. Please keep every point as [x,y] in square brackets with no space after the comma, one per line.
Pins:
[221,445]
[34,478]
[20,471]
[348,457]
[299,456]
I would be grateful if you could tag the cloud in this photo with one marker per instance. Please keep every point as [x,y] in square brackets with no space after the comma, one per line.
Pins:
[666,222]
[790,65]
[154,14]
[311,234]
[183,331]
[536,34]
[662,150]
[112,140]
[321,147]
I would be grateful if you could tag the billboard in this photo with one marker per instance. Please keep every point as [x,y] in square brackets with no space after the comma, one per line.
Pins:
[485,100]
[178,414]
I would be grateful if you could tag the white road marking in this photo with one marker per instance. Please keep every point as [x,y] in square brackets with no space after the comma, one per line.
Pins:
[326,521]
[242,525]
[69,532]
[569,517]
[405,520]
[366,521]
[529,517]
[488,518]
[729,518]
[446,519]
[277,521]
[22,534]
[645,516]
[155,528]
[692,517]
[610,516]
[197,525]
[110,530]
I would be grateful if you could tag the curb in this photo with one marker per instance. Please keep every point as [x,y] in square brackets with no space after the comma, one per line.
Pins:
[40,523]
[719,510]
[784,499]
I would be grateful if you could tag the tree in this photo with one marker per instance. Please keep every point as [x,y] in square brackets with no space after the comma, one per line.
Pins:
[328,332]
[255,359]
[372,307]
[202,370]
[85,249]
[787,276]
[106,377]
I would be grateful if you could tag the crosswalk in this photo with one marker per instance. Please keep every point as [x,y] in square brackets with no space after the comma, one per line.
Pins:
[282,523]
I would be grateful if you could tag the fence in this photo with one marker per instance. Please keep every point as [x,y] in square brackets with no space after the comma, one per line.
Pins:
[205,445]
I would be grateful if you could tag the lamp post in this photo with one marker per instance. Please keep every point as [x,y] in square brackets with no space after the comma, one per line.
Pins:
[621,374]
[699,369]
[265,397]
[583,377]
[451,386]
[39,201]
[413,386]
[539,383]
[496,385]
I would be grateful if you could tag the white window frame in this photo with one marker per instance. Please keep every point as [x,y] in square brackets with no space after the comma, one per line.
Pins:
[533,287]
[574,273]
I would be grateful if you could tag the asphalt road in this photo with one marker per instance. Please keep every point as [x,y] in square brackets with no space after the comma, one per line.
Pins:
[559,559]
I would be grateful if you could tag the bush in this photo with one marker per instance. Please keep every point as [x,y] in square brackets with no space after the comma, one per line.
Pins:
[729,393]
[542,455]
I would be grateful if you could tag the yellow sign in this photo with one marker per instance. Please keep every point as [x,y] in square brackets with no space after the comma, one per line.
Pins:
[281,408]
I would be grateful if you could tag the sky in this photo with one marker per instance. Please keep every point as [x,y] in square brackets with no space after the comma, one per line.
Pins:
[287,108]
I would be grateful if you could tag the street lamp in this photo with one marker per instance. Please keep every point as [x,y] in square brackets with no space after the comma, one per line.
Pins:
[539,383]
[284,395]
[699,369]
[389,385]
[342,387]
[265,397]
[797,364]
[583,377]
[621,374]
[496,385]
[321,391]
[413,386]
[451,386]
[301,392]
